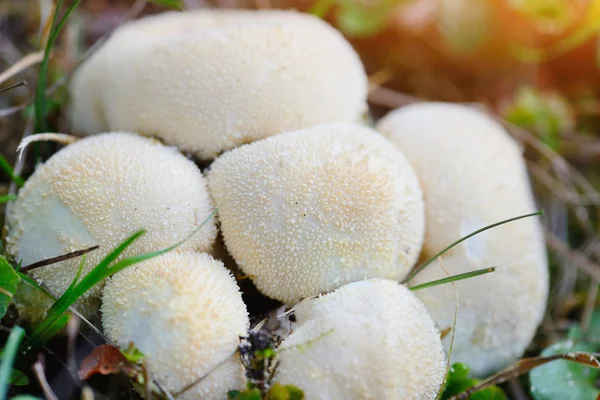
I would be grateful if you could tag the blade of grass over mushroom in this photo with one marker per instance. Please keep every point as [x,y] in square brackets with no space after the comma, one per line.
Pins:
[103,270]
[8,170]
[9,281]
[40,94]
[527,364]
[8,357]
[432,259]
[454,278]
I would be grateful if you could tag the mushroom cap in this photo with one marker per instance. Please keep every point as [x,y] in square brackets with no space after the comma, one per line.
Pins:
[473,174]
[308,211]
[99,191]
[208,81]
[367,340]
[184,312]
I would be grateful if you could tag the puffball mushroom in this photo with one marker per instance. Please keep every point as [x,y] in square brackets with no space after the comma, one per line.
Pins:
[367,340]
[307,211]
[99,191]
[473,174]
[184,312]
[208,81]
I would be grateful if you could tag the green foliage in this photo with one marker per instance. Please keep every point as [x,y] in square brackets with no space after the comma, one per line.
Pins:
[9,281]
[8,358]
[562,379]
[18,378]
[8,170]
[250,393]
[459,380]
[132,354]
[175,4]
[7,198]
[275,392]
[284,392]
[547,114]
[358,18]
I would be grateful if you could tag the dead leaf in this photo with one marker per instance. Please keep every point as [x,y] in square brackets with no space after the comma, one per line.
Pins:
[105,359]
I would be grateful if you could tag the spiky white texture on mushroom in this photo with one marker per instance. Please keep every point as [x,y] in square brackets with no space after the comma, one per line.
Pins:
[208,81]
[185,313]
[367,340]
[99,191]
[308,211]
[473,175]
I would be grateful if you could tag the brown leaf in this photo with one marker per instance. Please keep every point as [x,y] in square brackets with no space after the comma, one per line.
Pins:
[104,359]
[525,365]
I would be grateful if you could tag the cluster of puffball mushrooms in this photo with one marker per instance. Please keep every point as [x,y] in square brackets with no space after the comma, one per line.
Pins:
[323,212]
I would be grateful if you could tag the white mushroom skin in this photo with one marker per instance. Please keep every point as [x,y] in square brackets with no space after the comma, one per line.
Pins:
[99,191]
[185,313]
[367,340]
[473,174]
[305,212]
[211,80]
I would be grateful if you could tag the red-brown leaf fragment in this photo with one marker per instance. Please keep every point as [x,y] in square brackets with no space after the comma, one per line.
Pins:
[105,359]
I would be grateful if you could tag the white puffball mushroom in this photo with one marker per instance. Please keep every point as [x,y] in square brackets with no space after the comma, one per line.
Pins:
[308,211]
[184,312]
[367,340]
[211,80]
[473,174]
[99,191]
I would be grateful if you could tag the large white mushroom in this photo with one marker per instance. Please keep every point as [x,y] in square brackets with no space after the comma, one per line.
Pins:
[473,174]
[210,80]
[99,191]
[308,211]
[367,340]
[185,313]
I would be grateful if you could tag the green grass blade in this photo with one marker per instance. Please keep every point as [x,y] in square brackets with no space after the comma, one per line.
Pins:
[454,278]
[9,281]
[8,170]
[61,24]
[48,334]
[40,101]
[175,4]
[8,358]
[40,90]
[432,259]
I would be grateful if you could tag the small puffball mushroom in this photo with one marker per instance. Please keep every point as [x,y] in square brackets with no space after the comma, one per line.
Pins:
[473,174]
[308,211]
[208,81]
[184,312]
[367,340]
[99,191]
